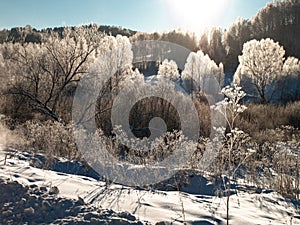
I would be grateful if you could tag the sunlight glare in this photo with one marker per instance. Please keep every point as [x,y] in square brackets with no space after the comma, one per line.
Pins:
[196,15]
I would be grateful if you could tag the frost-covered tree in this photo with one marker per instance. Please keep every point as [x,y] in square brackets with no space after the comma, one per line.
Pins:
[168,70]
[260,67]
[216,48]
[200,73]
[43,75]
[289,84]
[115,56]
[291,67]
[114,63]
[203,42]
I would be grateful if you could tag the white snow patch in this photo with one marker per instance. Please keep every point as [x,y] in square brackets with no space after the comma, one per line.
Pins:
[156,206]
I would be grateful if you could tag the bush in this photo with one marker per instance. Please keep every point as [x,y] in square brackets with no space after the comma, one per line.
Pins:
[50,137]
[9,136]
[258,118]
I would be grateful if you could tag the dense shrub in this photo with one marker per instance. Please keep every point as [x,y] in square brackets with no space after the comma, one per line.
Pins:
[49,137]
[260,117]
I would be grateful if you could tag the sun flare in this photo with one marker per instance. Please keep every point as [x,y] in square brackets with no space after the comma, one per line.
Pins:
[196,15]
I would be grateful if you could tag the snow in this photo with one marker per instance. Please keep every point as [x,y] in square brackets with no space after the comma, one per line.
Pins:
[195,204]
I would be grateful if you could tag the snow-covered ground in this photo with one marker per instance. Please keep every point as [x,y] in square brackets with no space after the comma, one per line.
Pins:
[83,199]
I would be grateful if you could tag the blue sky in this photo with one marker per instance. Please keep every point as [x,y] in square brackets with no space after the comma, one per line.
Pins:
[141,15]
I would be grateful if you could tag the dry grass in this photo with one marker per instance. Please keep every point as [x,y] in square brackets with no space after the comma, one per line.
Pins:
[258,118]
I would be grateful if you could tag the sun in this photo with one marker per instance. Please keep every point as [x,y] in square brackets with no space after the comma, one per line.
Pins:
[196,15]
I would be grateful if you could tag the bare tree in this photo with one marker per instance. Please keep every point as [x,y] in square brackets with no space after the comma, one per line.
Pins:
[44,73]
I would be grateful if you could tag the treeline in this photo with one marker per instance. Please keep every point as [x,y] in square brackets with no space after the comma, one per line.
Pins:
[31,35]
[279,21]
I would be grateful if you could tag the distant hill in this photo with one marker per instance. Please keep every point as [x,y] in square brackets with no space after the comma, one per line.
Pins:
[29,34]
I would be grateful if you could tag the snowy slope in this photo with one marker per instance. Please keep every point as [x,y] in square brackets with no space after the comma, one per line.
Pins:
[194,207]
